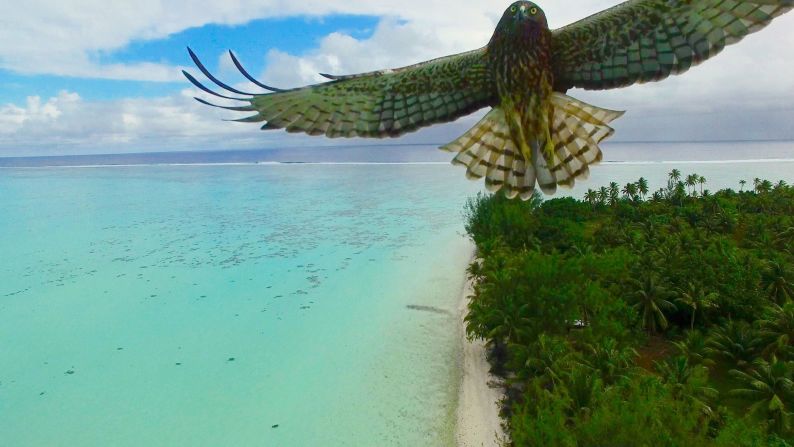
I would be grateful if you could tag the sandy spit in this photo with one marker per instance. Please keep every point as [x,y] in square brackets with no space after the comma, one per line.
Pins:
[478,422]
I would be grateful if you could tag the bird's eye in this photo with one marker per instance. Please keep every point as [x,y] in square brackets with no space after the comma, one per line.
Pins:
[533,11]
[513,8]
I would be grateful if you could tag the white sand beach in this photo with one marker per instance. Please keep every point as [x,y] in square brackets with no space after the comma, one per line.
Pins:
[478,422]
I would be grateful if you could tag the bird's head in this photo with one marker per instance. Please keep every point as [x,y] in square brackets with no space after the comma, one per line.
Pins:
[522,15]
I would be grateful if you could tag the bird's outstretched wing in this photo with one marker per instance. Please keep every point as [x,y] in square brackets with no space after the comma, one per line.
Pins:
[379,104]
[649,40]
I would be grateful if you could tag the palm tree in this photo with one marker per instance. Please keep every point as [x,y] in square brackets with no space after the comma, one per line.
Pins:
[766,242]
[642,187]
[785,239]
[657,196]
[611,361]
[688,382]
[735,341]
[781,185]
[696,298]
[694,347]
[591,197]
[546,357]
[691,181]
[632,187]
[674,177]
[630,191]
[498,322]
[766,186]
[669,251]
[603,195]
[582,387]
[762,186]
[613,198]
[768,386]
[680,192]
[614,193]
[777,281]
[651,302]
[777,328]
[701,181]
[742,183]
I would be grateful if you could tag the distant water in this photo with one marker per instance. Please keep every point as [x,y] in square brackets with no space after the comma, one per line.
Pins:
[236,305]
[397,153]
[269,304]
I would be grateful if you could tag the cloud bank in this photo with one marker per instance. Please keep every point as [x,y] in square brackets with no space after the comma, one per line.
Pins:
[745,93]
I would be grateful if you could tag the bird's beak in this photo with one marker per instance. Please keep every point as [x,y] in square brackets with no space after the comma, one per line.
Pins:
[523,14]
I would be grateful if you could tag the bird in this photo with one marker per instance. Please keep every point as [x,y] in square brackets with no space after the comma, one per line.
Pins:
[534,135]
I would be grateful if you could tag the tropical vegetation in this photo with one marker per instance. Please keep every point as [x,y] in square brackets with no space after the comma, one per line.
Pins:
[637,317]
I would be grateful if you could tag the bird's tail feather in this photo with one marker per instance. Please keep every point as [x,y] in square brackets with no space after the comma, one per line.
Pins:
[576,130]
[487,149]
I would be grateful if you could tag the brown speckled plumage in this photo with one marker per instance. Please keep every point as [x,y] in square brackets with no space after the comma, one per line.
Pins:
[534,134]
[519,57]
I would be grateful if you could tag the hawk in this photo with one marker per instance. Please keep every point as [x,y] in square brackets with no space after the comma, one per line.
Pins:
[534,134]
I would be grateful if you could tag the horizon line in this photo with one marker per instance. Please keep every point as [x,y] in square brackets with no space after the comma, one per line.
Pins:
[354,146]
[368,163]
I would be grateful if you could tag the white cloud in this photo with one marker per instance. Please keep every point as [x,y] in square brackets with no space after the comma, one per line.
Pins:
[392,44]
[68,124]
[746,92]
[65,37]
[13,119]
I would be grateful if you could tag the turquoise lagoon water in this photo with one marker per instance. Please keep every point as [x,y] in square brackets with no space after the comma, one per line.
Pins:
[262,305]
[206,305]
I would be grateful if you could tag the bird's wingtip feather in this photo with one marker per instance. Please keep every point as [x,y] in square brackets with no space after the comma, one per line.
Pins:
[249,77]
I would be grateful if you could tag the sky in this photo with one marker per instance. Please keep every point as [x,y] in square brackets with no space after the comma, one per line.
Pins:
[98,76]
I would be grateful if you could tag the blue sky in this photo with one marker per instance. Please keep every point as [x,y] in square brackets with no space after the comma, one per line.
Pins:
[90,76]
[294,35]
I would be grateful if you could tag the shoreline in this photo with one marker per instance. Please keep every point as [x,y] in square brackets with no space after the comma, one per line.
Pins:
[477,422]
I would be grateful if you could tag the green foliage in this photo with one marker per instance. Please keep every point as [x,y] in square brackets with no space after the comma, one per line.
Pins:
[650,300]
[736,342]
[777,329]
[768,388]
[696,298]
[688,382]
[744,432]
[694,347]
[618,317]
[778,281]
[642,412]
[493,220]
[542,421]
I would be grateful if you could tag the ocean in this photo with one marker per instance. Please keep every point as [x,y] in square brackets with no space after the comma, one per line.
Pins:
[199,300]
[411,153]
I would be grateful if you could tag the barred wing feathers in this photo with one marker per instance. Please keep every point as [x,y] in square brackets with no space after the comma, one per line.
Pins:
[649,40]
[487,149]
[379,104]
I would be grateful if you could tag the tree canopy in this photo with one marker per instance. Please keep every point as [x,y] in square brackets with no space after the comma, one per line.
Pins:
[661,318]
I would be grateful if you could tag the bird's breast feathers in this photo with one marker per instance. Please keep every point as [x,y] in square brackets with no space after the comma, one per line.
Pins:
[527,105]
